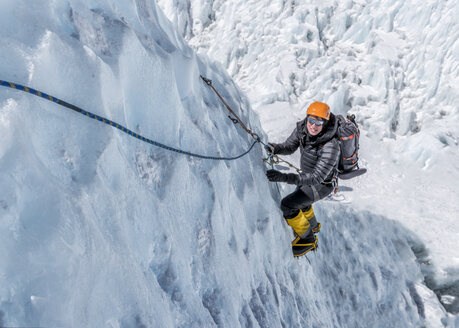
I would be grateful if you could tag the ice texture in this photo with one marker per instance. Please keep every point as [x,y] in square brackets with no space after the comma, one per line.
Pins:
[99,229]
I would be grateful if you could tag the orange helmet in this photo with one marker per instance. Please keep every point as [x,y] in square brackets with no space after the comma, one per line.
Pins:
[319,109]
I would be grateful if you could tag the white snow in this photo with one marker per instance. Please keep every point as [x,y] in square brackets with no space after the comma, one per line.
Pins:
[101,230]
[393,64]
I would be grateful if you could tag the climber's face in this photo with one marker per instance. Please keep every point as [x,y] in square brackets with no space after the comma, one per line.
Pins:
[315,125]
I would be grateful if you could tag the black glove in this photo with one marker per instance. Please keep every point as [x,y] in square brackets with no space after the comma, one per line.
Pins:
[292,178]
[276,176]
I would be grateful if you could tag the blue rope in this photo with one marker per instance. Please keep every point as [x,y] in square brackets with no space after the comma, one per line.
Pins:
[114,124]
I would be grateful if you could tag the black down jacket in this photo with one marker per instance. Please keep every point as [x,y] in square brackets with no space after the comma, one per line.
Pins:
[319,154]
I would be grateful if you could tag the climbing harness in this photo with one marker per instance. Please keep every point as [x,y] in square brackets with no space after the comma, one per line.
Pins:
[114,124]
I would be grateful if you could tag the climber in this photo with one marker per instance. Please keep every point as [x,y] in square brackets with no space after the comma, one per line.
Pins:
[320,151]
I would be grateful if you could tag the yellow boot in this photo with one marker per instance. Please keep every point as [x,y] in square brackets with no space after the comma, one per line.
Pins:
[306,240]
[309,215]
[302,246]
[299,223]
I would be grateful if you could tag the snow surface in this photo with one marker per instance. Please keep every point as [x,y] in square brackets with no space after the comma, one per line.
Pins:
[101,230]
[394,64]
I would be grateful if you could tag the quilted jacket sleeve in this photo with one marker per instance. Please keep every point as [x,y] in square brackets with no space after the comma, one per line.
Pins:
[289,146]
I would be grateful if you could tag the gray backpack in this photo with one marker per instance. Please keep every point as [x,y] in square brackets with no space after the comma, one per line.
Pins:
[348,135]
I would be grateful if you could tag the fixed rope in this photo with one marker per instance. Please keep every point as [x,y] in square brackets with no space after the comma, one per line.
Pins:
[275,159]
[272,158]
[114,124]
[236,119]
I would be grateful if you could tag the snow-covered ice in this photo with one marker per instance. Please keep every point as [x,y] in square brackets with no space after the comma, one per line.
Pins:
[101,230]
[394,64]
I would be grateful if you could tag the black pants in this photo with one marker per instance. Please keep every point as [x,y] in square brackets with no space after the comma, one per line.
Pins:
[302,198]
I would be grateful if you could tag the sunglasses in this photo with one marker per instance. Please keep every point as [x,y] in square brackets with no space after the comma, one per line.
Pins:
[314,121]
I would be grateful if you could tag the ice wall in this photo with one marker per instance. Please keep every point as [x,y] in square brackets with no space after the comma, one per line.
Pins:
[101,230]
[392,63]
